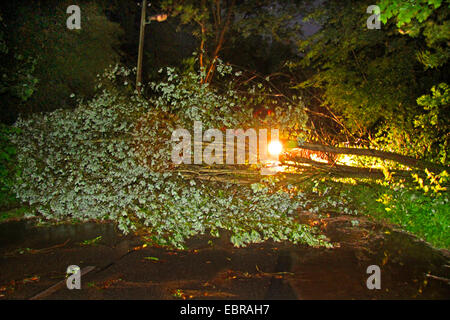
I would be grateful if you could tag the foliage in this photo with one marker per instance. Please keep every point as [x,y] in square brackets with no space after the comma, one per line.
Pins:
[91,242]
[436,184]
[187,97]
[406,11]
[429,136]
[421,208]
[253,216]
[404,204]
[434,134]
[63,151]
[218,24]
[8,170]
[64,61]
[17,213]
[17,81]
[108,159]
[366,76]
[369,81]
[424,17]
[428,217]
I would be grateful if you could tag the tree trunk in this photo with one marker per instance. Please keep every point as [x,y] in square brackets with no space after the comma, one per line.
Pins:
[343,170]
[405,160]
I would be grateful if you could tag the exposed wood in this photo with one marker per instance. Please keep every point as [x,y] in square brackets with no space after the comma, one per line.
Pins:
[343,170]
[220,42]
[405,160]
[438,278]
[45,250]
[36,251]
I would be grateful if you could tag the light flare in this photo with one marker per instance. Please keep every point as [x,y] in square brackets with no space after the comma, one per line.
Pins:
[275,148]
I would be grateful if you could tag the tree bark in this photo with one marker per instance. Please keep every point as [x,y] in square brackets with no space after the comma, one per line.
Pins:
[405,160]
[220,42]
[345,171]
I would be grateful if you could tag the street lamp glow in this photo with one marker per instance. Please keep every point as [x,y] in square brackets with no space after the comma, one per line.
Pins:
[158,17]
[275,147]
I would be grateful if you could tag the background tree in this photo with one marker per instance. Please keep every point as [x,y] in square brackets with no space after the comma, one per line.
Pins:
[17,82]
[63,61]
[218,24]
[369,79]
[425,18]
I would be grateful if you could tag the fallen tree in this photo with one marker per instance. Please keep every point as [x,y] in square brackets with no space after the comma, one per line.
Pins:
[405,160]
[292,160]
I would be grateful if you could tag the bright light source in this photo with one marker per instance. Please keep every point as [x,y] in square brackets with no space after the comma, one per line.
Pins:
[275,147]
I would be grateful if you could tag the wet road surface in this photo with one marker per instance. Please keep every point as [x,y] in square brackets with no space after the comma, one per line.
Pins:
[33,259]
